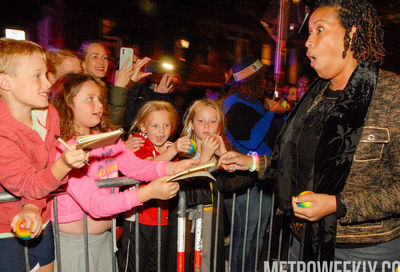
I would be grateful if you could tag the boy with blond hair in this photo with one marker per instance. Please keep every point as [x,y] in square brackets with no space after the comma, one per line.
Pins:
[28,148]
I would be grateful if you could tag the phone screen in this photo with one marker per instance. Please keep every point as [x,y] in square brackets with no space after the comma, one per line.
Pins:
[125,53]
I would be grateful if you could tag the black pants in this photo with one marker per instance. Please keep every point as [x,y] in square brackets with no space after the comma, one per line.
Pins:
[147,248]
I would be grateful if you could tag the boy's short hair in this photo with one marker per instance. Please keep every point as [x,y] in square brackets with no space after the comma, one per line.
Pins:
[56,56]
[11,50]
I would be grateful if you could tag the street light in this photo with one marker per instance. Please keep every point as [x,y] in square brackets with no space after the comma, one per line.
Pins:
[167,66]
[184,43]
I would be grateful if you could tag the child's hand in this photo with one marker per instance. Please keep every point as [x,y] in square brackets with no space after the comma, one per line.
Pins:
[29,213]
[208,147]
[134,143]
[74,158]
[222,148]
[182,144]
[158,189]
[176,167]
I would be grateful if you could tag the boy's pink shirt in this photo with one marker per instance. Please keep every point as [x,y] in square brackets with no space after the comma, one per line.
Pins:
[83,193]
[25,164]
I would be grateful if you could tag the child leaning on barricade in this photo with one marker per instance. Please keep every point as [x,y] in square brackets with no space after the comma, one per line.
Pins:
[155,124]
[28,166]
[84,109]
[204,124]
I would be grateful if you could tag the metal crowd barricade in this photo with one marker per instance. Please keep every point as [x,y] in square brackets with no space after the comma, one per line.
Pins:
[7,197]
[125,181]
[269,231]
[182,215]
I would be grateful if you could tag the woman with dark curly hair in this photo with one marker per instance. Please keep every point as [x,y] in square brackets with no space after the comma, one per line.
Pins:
[342,142]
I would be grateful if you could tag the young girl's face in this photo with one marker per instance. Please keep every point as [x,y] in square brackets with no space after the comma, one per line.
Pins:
[158,127]
[87,107]
[205,122]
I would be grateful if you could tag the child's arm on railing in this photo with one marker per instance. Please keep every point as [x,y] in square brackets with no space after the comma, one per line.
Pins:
[158,189]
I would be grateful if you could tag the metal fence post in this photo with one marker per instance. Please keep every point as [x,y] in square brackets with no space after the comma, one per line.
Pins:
[258,229]
[180,262]
[113,240]
[216,232]
[86,242]
[57,235]
[231,231]
[159,236]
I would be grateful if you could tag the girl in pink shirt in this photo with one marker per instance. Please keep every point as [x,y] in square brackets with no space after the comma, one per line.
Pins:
[82,109]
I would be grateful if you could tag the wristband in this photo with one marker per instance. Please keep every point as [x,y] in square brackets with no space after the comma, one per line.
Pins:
[254,156]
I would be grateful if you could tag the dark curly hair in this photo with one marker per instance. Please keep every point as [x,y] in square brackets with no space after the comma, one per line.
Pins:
[367,41]
[252,89]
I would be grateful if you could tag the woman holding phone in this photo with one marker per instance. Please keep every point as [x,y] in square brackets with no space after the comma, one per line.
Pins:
[95,63]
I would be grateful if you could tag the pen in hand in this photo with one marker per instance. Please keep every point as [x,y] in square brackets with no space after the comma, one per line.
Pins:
[67,146]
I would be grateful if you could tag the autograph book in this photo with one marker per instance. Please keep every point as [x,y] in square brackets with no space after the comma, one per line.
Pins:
[93,141]
[200,170]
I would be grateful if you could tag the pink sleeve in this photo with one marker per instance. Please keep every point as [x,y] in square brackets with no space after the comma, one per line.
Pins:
[20,177]
[99,202]
[136,168]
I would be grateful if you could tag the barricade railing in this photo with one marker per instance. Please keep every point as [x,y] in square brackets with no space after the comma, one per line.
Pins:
[182,213]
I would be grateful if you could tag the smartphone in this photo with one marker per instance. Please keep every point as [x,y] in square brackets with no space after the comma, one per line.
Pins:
[124,54]
[157,67]
[153,67]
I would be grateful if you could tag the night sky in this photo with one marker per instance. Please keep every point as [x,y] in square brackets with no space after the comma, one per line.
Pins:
[160,22]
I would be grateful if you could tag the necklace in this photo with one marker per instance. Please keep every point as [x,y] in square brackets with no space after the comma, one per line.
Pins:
[317,99]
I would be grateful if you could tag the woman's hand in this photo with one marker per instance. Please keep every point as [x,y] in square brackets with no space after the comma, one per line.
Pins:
[123,76]
[158,189]
[137,69]
[321,206]
[232,160]
[209,145]
[134,143]
[165,85]
[179,166]
[30,213]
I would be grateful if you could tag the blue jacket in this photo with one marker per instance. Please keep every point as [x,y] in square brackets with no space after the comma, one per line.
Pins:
[247,124]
